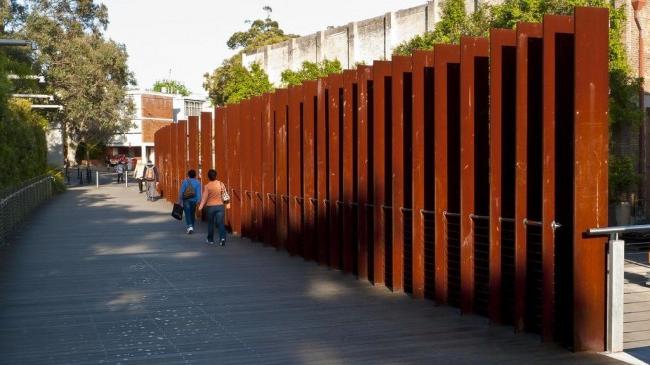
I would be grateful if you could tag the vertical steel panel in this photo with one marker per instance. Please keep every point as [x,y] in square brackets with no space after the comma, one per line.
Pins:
[294,149]
[322,173]
[471,49]
[309,169]
[552,25]
[281,158]
[525,31]
[181,167]
[500,39]
[245,115]
[335,89]
[401,65]
[364,179]
[422,64]
[348,170]
[193,143]
[256,167]
[234,168]
[206,146]
[268,169]
[444,55]
[220,147]
[381,71]
[591,176]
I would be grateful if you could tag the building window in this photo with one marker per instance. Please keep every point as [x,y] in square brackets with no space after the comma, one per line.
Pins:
[192,108]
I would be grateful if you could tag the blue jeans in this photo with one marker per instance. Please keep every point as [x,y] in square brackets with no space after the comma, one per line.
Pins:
[216,215]
[189,209]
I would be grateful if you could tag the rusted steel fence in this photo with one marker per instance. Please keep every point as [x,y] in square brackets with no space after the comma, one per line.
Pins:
[467,174]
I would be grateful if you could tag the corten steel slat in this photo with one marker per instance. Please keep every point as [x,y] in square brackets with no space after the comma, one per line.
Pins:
[281,158]
[168,162]
[226,173]
[256,167]
[309,173]
[220,149]
[471,49]
[268,169]
[400,66]
[245,152]
[364,180]
[233,168]
[206,146]
[553,24]
[444,55]
[181,166]
[348,169]
[381,70]
[591,177]
[525,31]
[322,232]
[193,143]
[335,87]
[422,60]
[499,40]
[294,149]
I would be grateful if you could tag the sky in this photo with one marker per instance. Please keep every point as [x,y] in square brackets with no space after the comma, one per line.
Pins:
[183,39]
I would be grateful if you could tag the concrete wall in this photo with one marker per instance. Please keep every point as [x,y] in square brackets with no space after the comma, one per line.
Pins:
[357,42]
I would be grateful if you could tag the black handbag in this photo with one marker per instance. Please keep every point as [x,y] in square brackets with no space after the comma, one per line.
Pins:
[177,211]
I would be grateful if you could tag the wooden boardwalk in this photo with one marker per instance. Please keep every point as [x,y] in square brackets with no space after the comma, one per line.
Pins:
[103,277]
[637,301]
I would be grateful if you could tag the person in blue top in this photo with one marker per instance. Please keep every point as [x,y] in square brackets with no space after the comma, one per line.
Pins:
[188,196]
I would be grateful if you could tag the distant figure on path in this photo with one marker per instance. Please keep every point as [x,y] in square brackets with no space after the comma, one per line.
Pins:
[188,196]
[212,199]
[150,176]
[119,168]
[137,174]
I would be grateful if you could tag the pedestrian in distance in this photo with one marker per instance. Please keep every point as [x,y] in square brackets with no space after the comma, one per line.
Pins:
[150,176]
[137,174]
[215,199]
[189,196]
[119,168]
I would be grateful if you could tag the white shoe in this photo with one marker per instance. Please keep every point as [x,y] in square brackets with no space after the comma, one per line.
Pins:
[190,230]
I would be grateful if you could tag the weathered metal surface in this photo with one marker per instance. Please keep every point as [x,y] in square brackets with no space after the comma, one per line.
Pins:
[335,93]
[309,170]
[244,123]
[400,141]
[207,162]
[268,169]
[423,165]
[234,168]
[294,149]
[525,32]
[381,74]
[322,138]
[281,168]
[349,167]
[181,162]
[502,54]
[193,143]
[364,174]
[591,174]
[553,26]
[257,167]
[444,56]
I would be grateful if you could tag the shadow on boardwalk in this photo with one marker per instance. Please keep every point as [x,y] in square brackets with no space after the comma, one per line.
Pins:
[102,276]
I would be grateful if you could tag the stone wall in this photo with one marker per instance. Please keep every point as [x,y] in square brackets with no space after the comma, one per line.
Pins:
[357,42]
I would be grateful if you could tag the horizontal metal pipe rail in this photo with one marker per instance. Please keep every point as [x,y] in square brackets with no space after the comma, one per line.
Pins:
[16,205]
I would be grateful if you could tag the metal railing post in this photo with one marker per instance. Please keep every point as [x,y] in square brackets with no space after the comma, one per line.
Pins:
[615,294]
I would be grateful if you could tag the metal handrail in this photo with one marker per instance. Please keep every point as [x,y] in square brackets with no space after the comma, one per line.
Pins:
[616,230]
[17,205]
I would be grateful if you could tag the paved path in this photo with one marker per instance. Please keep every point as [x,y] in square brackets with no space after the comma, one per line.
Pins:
[102,276]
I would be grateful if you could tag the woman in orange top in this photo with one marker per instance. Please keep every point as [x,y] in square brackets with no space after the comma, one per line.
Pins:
[211,199]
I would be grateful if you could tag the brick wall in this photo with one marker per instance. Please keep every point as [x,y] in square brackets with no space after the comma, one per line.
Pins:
[157,106]
[149,127]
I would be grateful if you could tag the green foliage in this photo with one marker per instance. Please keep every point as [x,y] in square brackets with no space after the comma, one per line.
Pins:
[622,177]
[310,71]
[86,73]
[23,150]
[58,184]
[171,87]
[232,81]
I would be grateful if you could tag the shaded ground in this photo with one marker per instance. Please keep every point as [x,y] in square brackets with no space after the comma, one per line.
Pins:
[102,276]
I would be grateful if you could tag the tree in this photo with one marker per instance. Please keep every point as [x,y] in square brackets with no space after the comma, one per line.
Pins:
[310,71]
[232,81]
[86,73]
[171,87]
